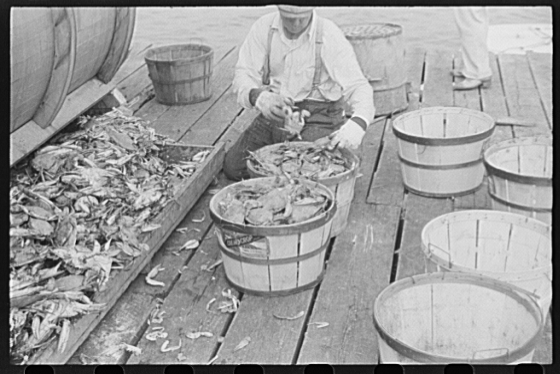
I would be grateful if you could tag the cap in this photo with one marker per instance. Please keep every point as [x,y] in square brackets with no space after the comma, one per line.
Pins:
[295,11]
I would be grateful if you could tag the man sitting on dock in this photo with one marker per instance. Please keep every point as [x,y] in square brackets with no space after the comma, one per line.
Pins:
[296,60]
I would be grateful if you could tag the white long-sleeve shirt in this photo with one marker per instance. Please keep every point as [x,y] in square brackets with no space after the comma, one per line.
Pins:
[292,66]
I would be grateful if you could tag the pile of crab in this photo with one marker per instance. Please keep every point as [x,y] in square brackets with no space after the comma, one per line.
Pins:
[80,208]
[273,202]
[300,160]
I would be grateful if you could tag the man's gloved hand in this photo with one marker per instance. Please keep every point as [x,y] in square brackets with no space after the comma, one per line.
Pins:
[272,105]
[348,136]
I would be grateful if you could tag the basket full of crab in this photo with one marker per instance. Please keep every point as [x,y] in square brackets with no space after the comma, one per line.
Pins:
[440,149]
[520,176]
[451,317]
[505,246]
[336,169]
[273,233]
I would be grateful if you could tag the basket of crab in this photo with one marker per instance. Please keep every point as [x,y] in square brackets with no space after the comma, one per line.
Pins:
[273,233]
[336,169]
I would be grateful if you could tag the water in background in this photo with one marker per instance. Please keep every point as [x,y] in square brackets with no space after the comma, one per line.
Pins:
[225,27]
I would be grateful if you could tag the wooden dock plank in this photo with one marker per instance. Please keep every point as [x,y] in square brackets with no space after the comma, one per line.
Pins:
[30,136]
[419,210]
[214,123]
[358,269]
[185,308]
[127,320]
[479,199]
[174,121]
[387,186]
[494,103]
[541,69]
[522,96]
[272,341]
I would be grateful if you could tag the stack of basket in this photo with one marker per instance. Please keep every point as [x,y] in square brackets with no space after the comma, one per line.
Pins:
[492,292]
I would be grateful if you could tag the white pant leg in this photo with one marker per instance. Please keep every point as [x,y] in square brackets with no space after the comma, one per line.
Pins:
[472,23]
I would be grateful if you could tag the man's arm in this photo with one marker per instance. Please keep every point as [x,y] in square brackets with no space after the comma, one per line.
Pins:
[247,80]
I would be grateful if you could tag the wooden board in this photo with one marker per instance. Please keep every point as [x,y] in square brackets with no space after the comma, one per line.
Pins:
[358,269]
[541,70]
[387,185]
[185,312]
[494,104]
[273,341]
[186,197]
[419,210]
[471,99]
[215,122]
[522,97]
[127,321]
[30,136]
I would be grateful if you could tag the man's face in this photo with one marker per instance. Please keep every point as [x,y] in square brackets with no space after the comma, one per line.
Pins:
[295,25]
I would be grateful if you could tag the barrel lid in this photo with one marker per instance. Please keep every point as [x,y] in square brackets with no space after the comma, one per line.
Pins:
[372,31]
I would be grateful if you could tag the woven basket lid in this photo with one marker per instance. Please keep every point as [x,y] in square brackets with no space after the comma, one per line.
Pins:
[372,31]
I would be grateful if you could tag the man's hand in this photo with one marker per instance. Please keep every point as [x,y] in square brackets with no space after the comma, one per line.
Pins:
[272,105]
[349,136]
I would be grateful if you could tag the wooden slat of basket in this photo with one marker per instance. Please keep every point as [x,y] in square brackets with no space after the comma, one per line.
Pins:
[284,276]
[310,268]
[168,218]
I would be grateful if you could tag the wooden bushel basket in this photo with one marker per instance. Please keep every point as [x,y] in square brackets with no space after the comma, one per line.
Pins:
[379,49]
[450,317]
[180,73]
[505,246]
[520,176]
[440,149]
[273,260]
[341,185]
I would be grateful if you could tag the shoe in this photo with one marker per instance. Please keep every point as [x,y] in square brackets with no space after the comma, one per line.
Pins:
[469,84]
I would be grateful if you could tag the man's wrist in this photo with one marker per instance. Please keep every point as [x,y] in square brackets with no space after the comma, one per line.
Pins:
[360,121]
[254,94]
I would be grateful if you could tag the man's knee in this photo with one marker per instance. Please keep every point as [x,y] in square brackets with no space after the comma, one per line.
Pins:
[235,168]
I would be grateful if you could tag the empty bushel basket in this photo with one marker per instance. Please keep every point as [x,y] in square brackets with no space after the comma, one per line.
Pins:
[341,185]
[505,246]
[180,73]
[449,317]
[440,149]
[520,176]
[273,260]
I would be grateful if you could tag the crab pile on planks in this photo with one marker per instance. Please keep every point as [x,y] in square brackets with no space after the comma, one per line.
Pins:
[80,209]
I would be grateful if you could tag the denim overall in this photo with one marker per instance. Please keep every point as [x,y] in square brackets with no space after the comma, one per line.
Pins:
[325,117]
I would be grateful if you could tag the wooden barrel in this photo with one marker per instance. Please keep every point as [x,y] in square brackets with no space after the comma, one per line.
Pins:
[520,176]
[180,73]
[450,317]
[341,185]
[379,48]
[440,149]
[56,50]
[501,245]
[273,260]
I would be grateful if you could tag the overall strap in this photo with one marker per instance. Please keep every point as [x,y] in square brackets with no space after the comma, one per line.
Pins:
[266,67]
[318,45]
